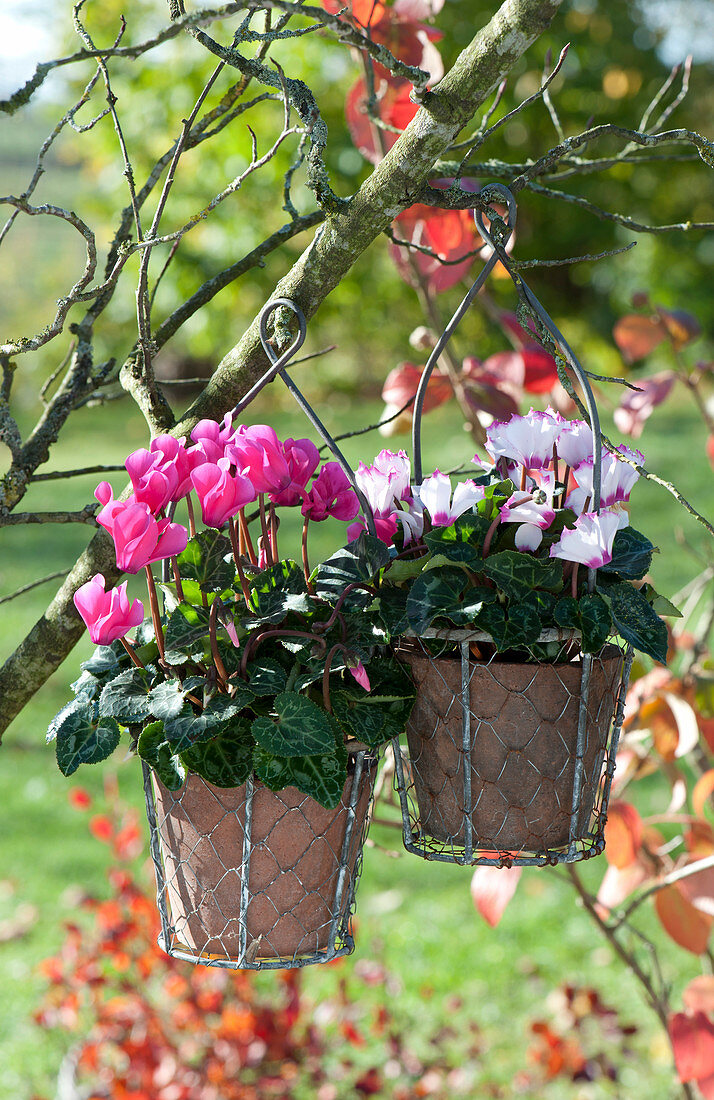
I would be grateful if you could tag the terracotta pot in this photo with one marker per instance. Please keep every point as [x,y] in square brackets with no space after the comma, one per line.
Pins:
[524,724]
[296,848]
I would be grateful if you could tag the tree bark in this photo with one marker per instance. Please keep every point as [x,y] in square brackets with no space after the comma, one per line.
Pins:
[338,243]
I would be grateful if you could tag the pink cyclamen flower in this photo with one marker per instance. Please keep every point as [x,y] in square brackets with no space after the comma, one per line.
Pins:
[435,496]
[331,495]
[360,674]
[258,454]
[616,482]
[220,493]
[386,527]
[302,459]
[218,436]
[161,473]
[526,440]
[139,539]
[107,615]
[590,541]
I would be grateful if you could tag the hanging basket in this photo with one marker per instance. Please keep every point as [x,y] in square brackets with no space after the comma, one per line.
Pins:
[249,878]
[510,761]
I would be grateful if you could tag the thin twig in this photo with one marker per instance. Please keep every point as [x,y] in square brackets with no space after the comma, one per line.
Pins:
[35,584]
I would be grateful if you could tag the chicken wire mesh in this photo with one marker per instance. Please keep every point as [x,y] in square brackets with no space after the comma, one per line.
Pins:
[249,878]
[510,761]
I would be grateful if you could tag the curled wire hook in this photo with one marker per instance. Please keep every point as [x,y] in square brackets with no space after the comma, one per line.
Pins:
[446,335]
[278,364]
[561,343]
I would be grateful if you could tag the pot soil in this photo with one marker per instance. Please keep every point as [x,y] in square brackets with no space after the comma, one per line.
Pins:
[294,866]
[524,725]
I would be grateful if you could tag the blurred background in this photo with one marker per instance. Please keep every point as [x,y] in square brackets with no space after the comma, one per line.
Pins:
[433,999]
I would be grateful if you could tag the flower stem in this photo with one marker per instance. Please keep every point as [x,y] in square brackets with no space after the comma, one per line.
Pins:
[264,529]
[177,579]
[489,536]
[191,517]
[245,536]
[236,558]
[305,561]
[222,675]
[132,653]
[155,615]
[574,581]
[565,487]
[326,676]
[273,532]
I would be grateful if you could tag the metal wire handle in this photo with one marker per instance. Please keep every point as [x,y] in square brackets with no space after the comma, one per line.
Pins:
[278,364]
[499,253]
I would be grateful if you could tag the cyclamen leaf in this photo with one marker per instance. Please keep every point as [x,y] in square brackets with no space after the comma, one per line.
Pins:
[278,590]
[361,560]
[590,615]
[631,555]
[517,574]
[266,676]
[635,620]
[103,660]
[127,697]
[461,541]
[159,755]
[391,607]
[85,738]
[187,628]
[518,625]
[204,561]
[321,777]
[167,699]
[445,592]
[300,727]
[225,761]
[187,728]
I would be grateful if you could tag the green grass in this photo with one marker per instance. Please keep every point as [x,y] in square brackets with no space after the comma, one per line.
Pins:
[416,919]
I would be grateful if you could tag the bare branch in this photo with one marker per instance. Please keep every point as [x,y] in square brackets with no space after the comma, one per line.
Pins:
[60,475]
[619,219]
[87,515]
[35,584]
[64,305]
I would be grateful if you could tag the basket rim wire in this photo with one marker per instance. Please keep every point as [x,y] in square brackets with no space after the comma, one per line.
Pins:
[348,866]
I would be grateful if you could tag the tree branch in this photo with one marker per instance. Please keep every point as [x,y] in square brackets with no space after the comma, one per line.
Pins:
[390,188]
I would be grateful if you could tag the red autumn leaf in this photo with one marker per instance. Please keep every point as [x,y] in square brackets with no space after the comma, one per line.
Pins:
[450,234]
[101,828]
[685,924]
[698,888]
[401,384]
[636,335]
[637,405]
[79,799]
[623,834]
[541,371]
[370,1084]
[399,28]
[698,996]
[393,107]
[491,890]
[706,1087]
[682,327]
[619,884]
[703,790]
[693,1045]
[710,449]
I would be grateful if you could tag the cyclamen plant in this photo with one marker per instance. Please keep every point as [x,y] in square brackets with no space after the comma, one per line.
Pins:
[503,554]
[257,664]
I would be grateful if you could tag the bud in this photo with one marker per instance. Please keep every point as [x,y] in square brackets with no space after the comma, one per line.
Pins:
[423,338]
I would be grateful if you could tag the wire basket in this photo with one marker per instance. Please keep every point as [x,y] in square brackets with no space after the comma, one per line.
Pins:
[510,760]
[249,878]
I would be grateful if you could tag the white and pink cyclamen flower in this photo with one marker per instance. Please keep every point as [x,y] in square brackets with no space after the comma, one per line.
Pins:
[527,440]
[386,485]
[533,510]
[435,496]
[617,479]
[590,541]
